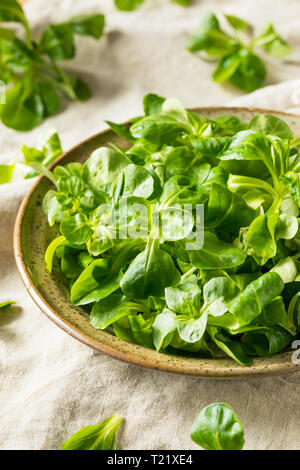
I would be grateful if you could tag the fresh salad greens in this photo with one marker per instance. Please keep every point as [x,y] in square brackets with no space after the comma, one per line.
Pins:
[130,5]
[95,437]
[30,67]
[47,150]
[234,53]
[217,427]
[186,238]
[7,303]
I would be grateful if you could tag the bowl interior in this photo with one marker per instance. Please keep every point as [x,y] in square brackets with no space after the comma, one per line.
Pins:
[32,236]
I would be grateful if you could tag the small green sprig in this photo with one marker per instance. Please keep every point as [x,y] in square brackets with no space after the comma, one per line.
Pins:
[130,5]
[95,437]
[237,62]
[47,150]
[30,67]
[217,427]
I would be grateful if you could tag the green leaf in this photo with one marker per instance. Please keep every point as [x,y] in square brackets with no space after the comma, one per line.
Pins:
[258,294]
[50,99]
[121,129]
[217,427]
[23,109]
[6,304]
[111,309]
[76,229]
[237,23]
[128,5]
[208,146]
[251,72]
[58,42]
[191,329]
[232,348]
[95,437]
[210,38]
[164,328]
[266,342]
[184,3]
[251,145]
[88,25]
[158,129]
[141,330]
[268,124]
[226,67]
[286,268]
[50,252]
[261,236]
[292,182]
[94,283]
[6,173]
[272,43]
[185,298]
[226,210]
[11,10]
[16,56]
[149,273]
[137,182]
[103,166]
[216,254]
[81,90]
[153,104]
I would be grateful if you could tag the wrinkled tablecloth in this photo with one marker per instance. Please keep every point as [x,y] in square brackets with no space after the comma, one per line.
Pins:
[50,384]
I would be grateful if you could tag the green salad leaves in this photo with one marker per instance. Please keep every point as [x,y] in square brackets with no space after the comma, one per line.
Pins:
[95,437]
[186,238]
[29,160]
[6,304]
[237,61]
[217,427]
[131,5]
[30,67]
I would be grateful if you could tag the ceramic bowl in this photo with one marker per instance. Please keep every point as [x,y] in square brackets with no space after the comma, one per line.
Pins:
[33,234]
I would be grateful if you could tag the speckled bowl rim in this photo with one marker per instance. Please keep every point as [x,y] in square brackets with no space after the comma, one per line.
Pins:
[179,367]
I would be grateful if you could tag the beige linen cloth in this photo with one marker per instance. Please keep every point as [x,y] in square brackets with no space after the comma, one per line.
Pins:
[50,384]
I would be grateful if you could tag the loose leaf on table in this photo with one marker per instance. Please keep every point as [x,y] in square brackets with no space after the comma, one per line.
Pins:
[217,427]
[95,437]
[6,304]
[237,61]
[35,84]
[88,25]
[272,43]
[6,173]
[210,38]
[128,5]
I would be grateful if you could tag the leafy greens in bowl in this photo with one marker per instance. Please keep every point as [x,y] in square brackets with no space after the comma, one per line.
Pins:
[233,288]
